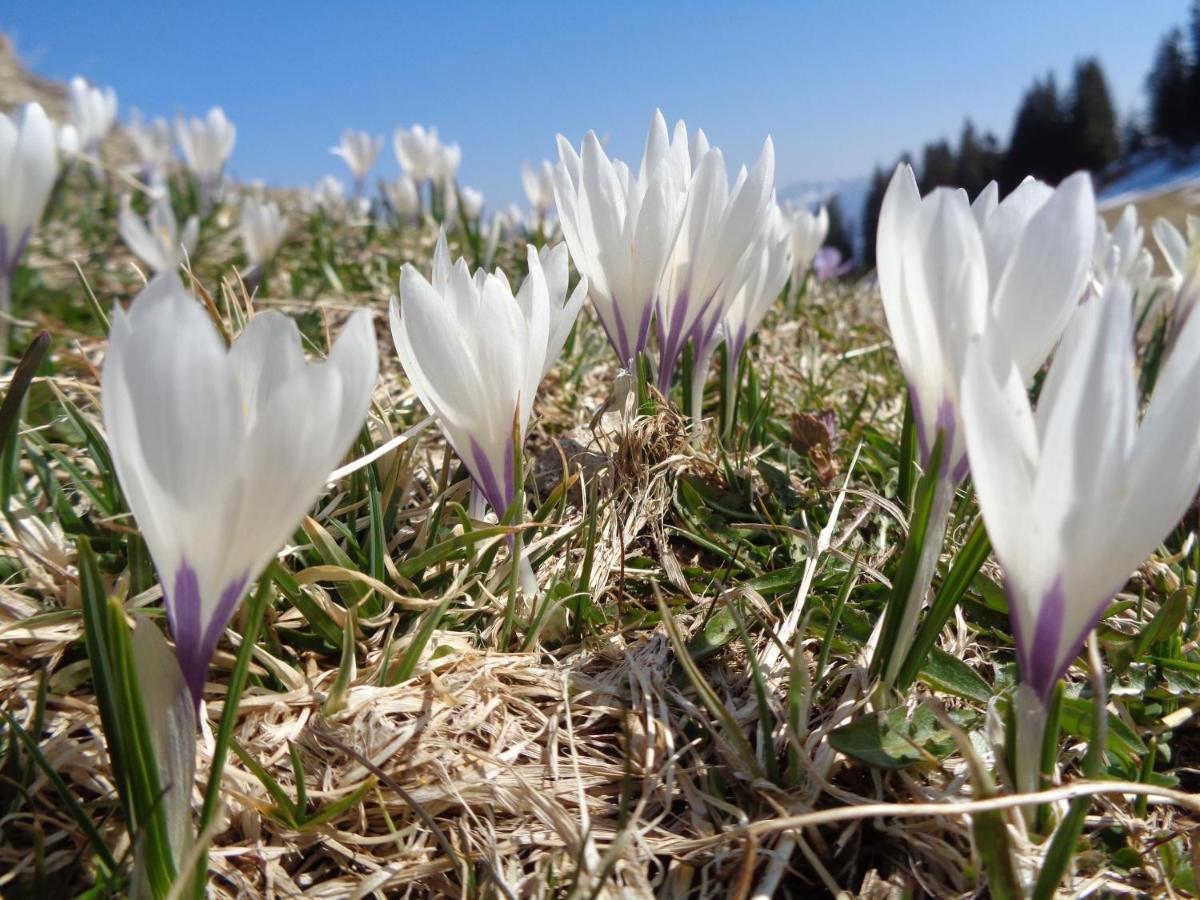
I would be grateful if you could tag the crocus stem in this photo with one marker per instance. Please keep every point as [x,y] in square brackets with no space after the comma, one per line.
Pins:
[931,551]
[730,384]
[700,366]
[5,313]
[1030,716]
[237,682]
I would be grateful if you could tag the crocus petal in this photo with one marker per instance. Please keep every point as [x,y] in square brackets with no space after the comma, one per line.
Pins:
[171,718]
[1044,276]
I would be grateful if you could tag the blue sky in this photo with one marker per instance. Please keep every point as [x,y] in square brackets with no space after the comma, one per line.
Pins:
[838,85]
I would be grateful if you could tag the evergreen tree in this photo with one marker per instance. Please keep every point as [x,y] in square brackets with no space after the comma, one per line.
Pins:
[838,236]
[978,160]
[1133,136]
[1035,146]
[1193,102]
[870,215]
[938,167]
[1092,141]
[1172,117]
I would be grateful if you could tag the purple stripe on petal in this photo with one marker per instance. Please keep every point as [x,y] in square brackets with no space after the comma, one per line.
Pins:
[10,256]
[644,327]
[947,423]
[1041,664]
[619,341]
[923,448]
[960,471]
[497,489]
[194,648]
[183,609]
[18,250]
[670,341]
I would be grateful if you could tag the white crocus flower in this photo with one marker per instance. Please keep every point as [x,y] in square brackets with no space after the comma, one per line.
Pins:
[472,203]
[496,227]
[359,150]
[808,233]
[206,145]
[1121,254]
[418,152]
[28,169]
[747,296]
[93,112]
[221,451]
[949,272]
[1183,260]
[564,310]
[475,353]
[154,146]
[447,161]
[404,198]
[262,229]
[539,187]
[329,195]
[620,230]
[157,240]
[1077,494]
[66,137]
[719,224]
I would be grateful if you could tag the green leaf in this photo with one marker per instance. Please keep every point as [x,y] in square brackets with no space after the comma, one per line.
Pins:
[951,675]
[910,559]
[1077,716]
[963,571]
[892,740]
[719,630]
[1164,623]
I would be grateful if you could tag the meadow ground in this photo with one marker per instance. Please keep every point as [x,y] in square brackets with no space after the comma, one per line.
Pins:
[692,684]
[686,710]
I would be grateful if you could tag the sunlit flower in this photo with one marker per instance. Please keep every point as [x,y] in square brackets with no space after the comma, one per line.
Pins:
[66,137]
[1181,253]
[748,294]
[1121,254]
[360,150]
[221,451]
[949,272]
[206,145]
[828,264]
[719,224]
[1183,260]
[262,228]
[472,202]
[475,353]
[403,197]
[620,230]
[539,187]
[448,159]
[1077,494]
[93,112]
[329,195]
[157,240]
[28,168]
[421,155]
[564,310]
[154,146]
[808,231]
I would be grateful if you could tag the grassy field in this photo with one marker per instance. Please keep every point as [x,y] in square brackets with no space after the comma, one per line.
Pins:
[688,707]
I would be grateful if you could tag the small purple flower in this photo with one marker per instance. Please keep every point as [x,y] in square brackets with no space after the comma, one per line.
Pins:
[828,264]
